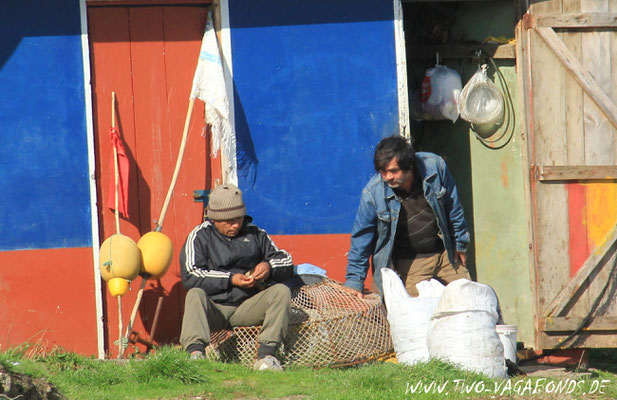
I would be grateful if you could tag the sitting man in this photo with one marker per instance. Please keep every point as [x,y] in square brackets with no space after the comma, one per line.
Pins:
[410,219]
[229,267]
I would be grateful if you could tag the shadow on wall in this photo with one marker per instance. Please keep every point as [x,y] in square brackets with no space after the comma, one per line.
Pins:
[138,186]
[168,325]
[17,22]
[40,18]
[170,318]
[305,13]
[246,157]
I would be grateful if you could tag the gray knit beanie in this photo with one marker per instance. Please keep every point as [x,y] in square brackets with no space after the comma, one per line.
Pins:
[225,203]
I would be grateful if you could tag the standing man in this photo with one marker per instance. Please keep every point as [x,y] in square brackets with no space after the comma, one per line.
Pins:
[230,268]
[409,219]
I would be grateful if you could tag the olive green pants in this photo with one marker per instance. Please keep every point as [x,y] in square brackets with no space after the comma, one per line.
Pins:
[422,268]
[269,308]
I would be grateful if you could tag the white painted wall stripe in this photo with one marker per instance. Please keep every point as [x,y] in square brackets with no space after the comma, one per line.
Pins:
[85,53]
[401,69]
[228,71]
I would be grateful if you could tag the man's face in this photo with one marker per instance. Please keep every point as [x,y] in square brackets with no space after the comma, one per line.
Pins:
[230,227]
[395,177]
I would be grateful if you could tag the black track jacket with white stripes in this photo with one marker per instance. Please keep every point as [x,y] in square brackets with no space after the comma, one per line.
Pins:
[208,260]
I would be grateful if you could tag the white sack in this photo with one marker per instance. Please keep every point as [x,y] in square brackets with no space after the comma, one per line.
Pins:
[408,316]
[430,288]
[464,295]
[462,329]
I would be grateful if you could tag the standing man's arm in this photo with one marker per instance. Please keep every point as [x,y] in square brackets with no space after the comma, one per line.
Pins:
[455,213]
[363,237]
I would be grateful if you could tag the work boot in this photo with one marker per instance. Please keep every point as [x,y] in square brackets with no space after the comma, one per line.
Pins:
[268,363]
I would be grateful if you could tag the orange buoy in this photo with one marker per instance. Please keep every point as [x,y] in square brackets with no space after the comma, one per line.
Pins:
[119,258]
[156,253]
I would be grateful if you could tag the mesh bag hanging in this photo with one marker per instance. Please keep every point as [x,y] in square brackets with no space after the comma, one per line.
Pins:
[329,327]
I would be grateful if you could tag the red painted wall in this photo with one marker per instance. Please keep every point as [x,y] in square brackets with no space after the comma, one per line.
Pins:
[325,251]
[47,297]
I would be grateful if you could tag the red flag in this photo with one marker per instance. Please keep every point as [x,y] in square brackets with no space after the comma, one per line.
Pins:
[123,178]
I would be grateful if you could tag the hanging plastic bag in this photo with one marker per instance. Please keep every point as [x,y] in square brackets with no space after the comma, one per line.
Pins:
[440,92]
[481,102]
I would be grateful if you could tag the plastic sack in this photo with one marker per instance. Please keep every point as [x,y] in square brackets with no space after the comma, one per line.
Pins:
[408,316]
[440,93]
[462,329]
[430,288]
[481,102]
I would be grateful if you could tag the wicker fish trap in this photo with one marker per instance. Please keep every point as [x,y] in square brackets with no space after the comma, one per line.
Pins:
[329,326]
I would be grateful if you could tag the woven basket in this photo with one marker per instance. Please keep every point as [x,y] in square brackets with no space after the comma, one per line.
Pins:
[329,327]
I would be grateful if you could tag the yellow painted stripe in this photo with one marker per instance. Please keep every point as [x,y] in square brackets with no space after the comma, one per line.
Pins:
[601,211]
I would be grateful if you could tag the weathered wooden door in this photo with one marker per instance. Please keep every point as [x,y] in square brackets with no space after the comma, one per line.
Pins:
[147,54]
[569,74]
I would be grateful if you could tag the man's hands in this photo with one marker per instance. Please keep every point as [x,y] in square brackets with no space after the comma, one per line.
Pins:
[242,280]
[260,273]
[353,292]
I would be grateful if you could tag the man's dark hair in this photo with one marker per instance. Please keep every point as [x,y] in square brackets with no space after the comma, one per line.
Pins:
[394,147]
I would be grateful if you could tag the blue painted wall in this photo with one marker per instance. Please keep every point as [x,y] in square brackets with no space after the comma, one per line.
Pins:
[44,187]
[315,90]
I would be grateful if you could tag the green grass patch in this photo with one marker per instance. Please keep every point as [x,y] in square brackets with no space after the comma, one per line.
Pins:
[169,374]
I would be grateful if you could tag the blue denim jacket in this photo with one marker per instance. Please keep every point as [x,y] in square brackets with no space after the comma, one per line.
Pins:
[375,225]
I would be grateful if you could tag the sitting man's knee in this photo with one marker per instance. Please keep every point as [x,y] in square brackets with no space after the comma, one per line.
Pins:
[196,294]
[281,291]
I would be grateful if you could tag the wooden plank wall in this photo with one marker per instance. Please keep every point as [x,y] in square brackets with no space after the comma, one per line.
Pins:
[573,218]
[549,148]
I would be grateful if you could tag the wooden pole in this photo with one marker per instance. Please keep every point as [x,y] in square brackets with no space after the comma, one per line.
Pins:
[120,337]
[140,294]
[159,223]
[116,173]
[117,217]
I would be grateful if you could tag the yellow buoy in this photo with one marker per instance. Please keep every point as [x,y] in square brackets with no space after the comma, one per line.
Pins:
[119,258]
[156,253]
[118,286]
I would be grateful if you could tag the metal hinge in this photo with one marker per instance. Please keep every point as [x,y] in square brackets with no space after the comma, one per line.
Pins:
[201,196]
[536,172]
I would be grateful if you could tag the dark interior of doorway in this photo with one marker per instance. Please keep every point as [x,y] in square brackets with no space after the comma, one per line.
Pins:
[452,29]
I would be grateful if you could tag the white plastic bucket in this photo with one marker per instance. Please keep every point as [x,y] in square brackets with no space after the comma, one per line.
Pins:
[507,335]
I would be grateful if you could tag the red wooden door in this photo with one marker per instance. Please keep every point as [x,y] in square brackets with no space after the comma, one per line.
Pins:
[147,56]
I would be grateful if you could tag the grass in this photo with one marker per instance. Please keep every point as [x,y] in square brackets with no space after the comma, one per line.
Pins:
[169,374]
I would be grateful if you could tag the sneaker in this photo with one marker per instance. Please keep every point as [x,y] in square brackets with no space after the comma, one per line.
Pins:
[268,363]
[197,355]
